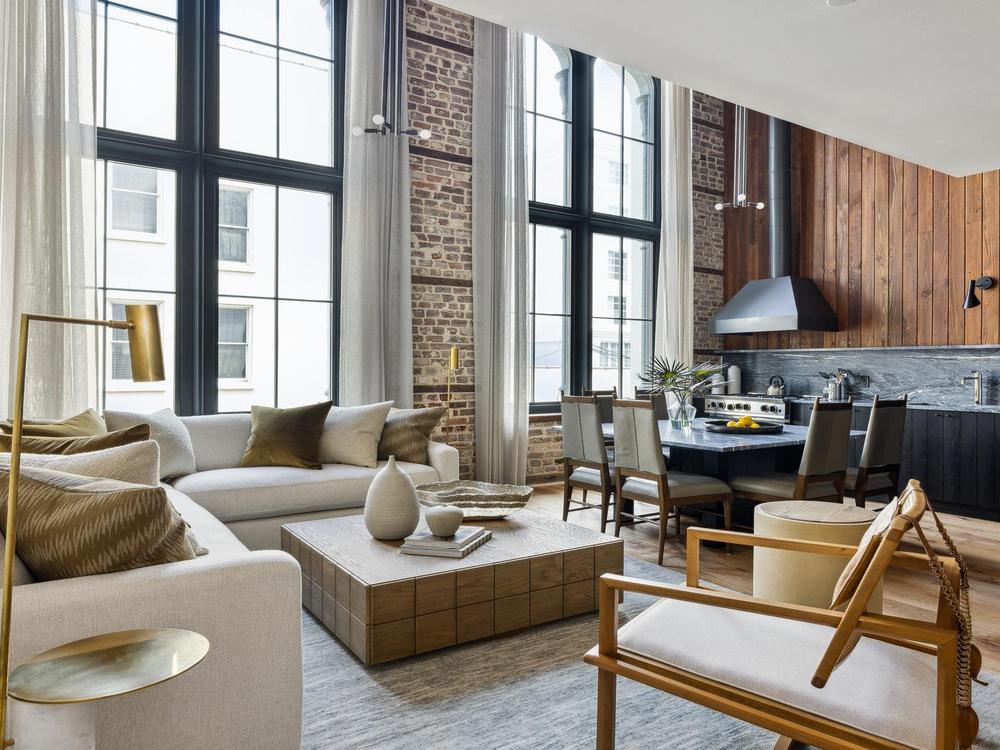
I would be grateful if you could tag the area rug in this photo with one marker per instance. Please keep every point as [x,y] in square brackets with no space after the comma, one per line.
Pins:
[527,690]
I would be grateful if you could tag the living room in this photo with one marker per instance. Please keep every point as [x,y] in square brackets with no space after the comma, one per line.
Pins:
[394,374]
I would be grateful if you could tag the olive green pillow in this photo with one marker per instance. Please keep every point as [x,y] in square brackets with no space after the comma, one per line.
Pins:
[407,433]
[70,525]
[286,437]
[85,423]
[68,445]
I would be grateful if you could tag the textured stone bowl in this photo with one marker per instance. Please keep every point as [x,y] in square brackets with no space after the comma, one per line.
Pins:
[479,501]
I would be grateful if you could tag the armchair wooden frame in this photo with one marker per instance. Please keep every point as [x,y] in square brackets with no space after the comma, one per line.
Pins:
[790,723]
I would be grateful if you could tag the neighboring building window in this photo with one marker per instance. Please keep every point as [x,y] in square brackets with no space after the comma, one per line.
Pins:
[234,343]
[234,224]
[121,362]
[135,199]
[594,226]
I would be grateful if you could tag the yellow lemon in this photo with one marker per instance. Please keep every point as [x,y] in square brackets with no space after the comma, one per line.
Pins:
[732,423]
[746,421]
[754,426]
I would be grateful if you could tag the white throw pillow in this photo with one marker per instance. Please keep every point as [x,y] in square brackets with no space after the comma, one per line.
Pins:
[166,428]
[135,463]
[351,434]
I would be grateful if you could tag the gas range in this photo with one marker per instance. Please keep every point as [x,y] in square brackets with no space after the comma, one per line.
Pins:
[758,405]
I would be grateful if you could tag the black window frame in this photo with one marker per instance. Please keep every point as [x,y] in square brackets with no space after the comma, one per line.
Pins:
[583,222]
[199,163]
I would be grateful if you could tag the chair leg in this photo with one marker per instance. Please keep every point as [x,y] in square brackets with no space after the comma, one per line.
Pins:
[727,512]
[618,504]
[567,494]
[606,709]
[605,505]
[787,743]
[664,518]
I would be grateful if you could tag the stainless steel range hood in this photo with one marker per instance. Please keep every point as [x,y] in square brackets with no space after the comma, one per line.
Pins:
[782,302]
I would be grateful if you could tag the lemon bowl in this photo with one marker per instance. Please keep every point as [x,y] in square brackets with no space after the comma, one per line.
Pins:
[762,428]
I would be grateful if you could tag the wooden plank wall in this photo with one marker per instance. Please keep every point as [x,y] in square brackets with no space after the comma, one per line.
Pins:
[892,245]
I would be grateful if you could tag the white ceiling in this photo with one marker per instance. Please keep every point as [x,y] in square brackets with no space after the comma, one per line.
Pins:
[917,79]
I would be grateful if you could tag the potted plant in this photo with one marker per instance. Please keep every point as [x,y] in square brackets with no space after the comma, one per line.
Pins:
[684,382]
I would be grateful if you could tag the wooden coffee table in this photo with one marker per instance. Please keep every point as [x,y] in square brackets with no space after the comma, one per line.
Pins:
[385,605]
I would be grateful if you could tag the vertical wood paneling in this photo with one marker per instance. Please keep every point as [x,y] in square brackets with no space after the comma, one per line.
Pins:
[891,245]
[973,252]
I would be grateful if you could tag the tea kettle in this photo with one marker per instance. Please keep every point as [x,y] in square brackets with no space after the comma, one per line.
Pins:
[777,386]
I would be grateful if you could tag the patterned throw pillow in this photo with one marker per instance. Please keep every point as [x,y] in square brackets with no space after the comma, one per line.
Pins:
[87,422]
[407,433]
[70,526]
[71,445]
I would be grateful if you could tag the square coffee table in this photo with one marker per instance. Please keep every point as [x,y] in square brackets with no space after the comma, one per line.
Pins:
[385,605]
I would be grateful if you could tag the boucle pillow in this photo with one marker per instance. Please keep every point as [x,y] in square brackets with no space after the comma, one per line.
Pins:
[407,433]
[72,445]
[87,422]
[169,432]
[69,526]
[351,434]
[137,463]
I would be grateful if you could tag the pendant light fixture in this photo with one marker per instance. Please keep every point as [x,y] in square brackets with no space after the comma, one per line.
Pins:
[740,165]
[391,116]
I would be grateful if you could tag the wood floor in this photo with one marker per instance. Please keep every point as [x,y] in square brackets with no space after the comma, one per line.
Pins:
[907,593]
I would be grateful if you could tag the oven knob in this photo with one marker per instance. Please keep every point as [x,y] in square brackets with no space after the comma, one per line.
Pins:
[730,406]
[745,407]
[712,404]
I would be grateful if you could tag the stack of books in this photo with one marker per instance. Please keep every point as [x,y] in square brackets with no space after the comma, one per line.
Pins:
[466,539]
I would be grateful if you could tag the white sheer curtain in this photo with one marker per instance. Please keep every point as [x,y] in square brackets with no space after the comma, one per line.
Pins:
[48,144]
[675,278]
[376,345]
[499,254]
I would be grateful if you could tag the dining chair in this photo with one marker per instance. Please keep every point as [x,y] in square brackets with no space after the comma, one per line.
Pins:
[659,401]
[586,465]
[834,678]
[641,474]
[605,398]
[877,473]
[823,467]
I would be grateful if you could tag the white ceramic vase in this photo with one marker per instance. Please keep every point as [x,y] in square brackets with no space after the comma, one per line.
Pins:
[391,508]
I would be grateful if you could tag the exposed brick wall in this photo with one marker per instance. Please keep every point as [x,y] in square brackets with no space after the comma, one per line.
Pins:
[439,88]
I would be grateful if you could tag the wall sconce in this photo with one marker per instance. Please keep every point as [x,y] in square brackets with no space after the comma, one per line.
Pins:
[971,300]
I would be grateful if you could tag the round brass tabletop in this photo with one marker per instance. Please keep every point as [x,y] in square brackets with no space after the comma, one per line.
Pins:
[107,665]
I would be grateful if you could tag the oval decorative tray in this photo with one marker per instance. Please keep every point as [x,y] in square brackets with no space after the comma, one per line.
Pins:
[719,425]
[478,500]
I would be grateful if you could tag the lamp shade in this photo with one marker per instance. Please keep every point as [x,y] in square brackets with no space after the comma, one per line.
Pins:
[971,300]
[144,345]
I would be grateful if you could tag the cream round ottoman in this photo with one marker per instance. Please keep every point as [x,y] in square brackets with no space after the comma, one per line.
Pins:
[803,577]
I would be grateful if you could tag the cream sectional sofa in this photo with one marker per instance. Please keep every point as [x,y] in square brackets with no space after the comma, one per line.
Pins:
[247,602]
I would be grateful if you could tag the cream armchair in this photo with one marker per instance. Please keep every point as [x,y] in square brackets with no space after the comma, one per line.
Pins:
[802,672]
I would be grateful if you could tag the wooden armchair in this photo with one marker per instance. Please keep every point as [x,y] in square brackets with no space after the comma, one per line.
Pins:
[802,672]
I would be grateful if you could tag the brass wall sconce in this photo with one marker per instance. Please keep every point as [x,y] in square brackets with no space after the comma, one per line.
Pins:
[971,300]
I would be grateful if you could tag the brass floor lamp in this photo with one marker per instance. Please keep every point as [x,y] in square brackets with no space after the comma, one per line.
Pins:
[145,352]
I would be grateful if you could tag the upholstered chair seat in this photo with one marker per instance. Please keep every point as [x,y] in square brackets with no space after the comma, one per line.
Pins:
[681,486]
[775,658]
[779,485]
[875,484]
[591,477]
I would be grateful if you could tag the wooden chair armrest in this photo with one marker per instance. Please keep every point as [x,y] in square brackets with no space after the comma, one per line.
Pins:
[696,535]
[895,628]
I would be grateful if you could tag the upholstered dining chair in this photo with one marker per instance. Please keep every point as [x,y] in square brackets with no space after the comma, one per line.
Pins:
[605,398]
[877,473]
[586,465]
[659,401]
[822,469]
[833,678]
[641,474]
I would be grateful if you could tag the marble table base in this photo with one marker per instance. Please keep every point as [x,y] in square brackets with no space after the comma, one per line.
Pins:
[44,726]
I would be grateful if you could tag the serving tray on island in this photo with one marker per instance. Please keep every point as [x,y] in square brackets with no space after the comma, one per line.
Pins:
[479,501]
[766,428]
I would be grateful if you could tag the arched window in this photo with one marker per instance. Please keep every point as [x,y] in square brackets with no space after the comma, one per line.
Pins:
[548,88]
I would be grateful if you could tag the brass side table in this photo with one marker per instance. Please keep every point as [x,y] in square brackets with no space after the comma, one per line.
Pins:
[51,696]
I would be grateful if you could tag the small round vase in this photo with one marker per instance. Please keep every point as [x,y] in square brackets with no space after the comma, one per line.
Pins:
[391,508]
[443,520]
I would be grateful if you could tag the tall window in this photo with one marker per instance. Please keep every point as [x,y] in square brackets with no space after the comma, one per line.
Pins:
[593,189]
[221,161]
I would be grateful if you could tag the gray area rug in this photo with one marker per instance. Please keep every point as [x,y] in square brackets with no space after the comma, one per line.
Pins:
[527,690]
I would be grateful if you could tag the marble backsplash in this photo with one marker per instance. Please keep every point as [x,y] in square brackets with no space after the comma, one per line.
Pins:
[931,375]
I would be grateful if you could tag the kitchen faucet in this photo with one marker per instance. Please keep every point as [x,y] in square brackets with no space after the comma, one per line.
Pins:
[977,379]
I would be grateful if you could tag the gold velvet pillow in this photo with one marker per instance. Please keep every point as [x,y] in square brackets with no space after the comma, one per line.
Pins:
[69,445]
[286,437]
[69,525]
[407,433]
[85,423]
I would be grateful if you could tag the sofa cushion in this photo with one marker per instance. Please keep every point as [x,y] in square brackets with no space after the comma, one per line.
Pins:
[211,533]
[407,433]
[776,658]
[267,491]
[87,422]
[219,440]
[70,445]
[166,428]
[351,434]
[136,463]
[286,437]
